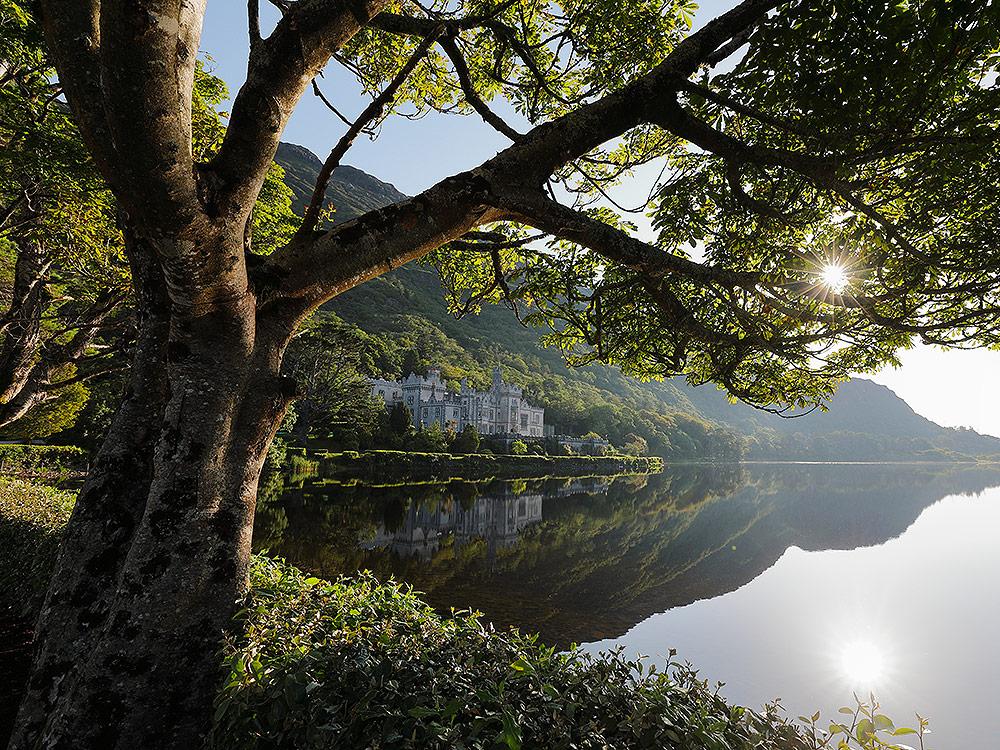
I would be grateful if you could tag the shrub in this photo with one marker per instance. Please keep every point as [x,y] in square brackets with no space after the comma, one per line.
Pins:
[41,460]
[277,455]
[31,517]
[431,440]
[519,448]
[467,441]
[299,466]
[355,663]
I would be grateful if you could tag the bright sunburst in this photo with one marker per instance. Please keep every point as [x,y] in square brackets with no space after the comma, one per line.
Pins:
[834,277]
[863,664]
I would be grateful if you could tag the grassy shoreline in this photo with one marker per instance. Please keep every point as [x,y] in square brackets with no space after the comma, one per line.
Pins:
[356,662]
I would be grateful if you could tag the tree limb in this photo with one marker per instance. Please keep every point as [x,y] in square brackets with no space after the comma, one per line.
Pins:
[537,210]
[72,30]
[278,72]
[371,113]
[471,95]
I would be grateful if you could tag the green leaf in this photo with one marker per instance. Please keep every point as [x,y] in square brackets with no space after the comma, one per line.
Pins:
[422,712]
[883,722]
[511,732]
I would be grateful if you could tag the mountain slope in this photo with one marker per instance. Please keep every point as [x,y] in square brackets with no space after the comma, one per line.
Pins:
[350,190]
[406,314]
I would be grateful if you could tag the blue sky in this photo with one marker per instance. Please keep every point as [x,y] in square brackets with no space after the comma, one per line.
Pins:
[954,388]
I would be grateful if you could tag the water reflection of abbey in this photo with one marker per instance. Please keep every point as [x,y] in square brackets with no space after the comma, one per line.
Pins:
[591,566]
[496,517]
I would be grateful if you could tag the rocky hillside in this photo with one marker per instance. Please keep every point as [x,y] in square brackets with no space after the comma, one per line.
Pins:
[351,191]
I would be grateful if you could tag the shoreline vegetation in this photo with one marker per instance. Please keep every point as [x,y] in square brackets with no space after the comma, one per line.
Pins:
[62,464]
[355,662]
[400,464]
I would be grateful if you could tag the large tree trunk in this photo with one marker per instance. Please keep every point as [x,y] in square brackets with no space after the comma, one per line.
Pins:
[156,554]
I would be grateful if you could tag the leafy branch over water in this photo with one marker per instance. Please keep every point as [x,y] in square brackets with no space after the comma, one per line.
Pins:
[867,729]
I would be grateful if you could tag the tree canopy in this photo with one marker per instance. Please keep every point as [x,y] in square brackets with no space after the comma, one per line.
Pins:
[63,271]
[789,138]
[856,138]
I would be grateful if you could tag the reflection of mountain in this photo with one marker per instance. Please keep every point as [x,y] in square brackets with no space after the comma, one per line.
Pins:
[602,559]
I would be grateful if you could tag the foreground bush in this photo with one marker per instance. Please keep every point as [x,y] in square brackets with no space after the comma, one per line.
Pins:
[31,517]
[355,663]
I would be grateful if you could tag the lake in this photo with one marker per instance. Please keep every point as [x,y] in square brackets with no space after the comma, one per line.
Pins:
[805,582]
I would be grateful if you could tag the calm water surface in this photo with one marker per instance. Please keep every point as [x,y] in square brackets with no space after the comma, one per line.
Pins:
[800,582]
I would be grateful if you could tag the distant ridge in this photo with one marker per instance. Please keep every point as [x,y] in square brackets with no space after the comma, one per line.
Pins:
[866,421]
[352,191]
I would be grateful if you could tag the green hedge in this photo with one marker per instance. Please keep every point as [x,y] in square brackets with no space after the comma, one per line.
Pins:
[356,663]
[31,517]
[41,460]
[478,465]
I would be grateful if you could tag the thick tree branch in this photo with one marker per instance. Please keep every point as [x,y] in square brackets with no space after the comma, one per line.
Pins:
[728,48]
[311,270]
[384,239]
[253,22]
[616,246]
[72,29]
[148,53]
[279,71]
[547,147]
[670,115]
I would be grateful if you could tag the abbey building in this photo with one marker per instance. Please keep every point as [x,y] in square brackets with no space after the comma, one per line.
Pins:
[501,410]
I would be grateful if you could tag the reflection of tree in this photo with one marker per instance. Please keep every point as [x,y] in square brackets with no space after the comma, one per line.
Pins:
[606,556]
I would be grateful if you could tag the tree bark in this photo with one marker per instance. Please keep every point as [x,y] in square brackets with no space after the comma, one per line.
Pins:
[107,510]
[156,554]
[20,330]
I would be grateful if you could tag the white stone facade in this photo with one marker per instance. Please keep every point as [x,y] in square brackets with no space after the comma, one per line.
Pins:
[501,410]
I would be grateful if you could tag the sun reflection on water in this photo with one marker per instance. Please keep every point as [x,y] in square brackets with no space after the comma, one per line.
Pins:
[863,664]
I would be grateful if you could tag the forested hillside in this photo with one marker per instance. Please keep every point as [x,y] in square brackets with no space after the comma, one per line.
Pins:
[405,326]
